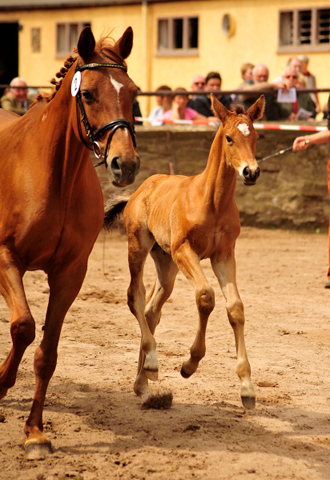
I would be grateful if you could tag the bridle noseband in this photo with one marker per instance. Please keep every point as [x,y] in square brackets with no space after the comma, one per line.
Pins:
[113,125]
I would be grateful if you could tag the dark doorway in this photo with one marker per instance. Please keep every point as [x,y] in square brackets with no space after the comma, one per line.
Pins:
[8,53]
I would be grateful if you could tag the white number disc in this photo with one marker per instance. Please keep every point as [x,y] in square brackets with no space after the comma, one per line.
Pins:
[75,85]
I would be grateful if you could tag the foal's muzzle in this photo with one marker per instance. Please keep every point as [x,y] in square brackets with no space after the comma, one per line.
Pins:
[250,175]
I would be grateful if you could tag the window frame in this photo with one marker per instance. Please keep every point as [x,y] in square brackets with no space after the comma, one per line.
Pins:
[67,29]
[171,51]
[302,47]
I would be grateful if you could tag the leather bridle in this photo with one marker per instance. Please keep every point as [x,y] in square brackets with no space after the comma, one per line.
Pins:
[112,126]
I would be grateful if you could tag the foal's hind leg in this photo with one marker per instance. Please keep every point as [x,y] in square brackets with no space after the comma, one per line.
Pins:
[22,326]
[189,264]
[225,271]
[166,274]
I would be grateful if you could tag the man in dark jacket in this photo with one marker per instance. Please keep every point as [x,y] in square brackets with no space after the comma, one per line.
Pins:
[202,104]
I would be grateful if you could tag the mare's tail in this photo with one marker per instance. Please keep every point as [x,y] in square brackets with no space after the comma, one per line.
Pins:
[115,207]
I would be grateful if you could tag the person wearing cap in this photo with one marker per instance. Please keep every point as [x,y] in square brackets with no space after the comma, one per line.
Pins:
[180,109]
[302,143]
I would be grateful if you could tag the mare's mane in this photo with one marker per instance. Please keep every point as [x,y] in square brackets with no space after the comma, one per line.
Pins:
[103,46]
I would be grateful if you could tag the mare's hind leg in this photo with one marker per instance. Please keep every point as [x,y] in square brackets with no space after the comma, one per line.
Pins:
[189,264]
[225,270]
[22,327]
[166,274]
[64,284]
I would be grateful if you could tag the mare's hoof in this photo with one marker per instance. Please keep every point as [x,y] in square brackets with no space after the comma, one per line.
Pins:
[151,374]
[3,392]
[248,402]
[36,451]
[185,374]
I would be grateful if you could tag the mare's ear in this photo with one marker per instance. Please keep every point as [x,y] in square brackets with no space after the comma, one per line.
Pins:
[86,44]
[125,43]
[219,109]
[256,110]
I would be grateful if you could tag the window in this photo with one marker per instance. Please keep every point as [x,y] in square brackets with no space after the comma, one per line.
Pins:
[304,30]
[177,36]
[67,35]
[35,40]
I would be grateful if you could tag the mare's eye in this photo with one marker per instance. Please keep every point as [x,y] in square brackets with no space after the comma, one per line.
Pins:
[229,140]
[87,95]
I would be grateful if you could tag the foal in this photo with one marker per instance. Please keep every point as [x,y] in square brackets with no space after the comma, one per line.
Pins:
[180,221]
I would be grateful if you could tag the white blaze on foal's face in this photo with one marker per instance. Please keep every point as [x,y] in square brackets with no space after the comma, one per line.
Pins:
[244,128]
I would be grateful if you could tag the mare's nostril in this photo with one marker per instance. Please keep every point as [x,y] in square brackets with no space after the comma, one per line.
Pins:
[115,165]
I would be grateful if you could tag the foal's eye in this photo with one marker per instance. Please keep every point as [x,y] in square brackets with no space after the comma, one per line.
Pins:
[229,140]
[87,94]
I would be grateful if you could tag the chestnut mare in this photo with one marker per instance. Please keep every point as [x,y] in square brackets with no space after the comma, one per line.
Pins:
[180,221]
[51,203]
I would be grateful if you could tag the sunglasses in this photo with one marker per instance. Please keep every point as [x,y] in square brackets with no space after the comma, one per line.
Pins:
[199,83]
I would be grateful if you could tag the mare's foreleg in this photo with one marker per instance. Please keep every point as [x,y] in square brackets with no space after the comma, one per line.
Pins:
[225,270]
[64,284]
[166,274]
[189,263]
[22,327]
[139,245]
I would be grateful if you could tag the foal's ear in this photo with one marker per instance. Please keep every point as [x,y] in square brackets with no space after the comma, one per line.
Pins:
[86,44]
[256,110]
[125,43]
[219,109]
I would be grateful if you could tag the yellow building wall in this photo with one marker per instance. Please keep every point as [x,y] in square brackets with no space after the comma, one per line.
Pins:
[255,40]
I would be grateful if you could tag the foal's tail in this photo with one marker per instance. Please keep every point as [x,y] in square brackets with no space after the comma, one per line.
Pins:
[115,207]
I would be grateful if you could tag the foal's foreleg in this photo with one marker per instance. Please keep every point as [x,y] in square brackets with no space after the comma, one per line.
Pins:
[225,270]
[22,327]
[166,274]
[189,263]
[139,245]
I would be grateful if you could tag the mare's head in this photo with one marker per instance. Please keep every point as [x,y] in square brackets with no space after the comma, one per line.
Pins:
[239,137]
[104,103]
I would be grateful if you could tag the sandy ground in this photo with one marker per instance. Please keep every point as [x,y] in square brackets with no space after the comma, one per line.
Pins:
[94,419]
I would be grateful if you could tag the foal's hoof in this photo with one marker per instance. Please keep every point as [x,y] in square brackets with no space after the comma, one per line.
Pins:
[185,374]
[248,402]
[151,374]
[36,451]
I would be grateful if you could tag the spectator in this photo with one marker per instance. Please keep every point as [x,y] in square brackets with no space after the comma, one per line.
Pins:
[16,98]
[289,111]
[180,109]
[203,102]
[260,75]
[301,143]
[137,111]
[164,105]
[197,85]
[310,80]
[246,72]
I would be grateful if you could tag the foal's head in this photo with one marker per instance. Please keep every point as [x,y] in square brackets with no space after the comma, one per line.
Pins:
[107,94]
[239,137]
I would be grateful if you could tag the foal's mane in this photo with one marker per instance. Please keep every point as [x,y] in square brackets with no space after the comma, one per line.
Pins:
[104,47]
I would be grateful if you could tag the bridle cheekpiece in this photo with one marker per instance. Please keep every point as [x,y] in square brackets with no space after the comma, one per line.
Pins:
[112,126]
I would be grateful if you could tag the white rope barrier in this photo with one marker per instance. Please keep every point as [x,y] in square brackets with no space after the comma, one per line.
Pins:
[257,126]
